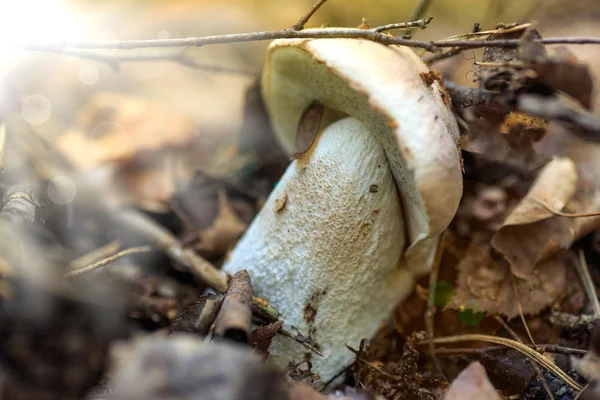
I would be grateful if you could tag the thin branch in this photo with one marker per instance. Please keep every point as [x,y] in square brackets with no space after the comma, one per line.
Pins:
[573,321]
[300,339]
[96,254]
[464,97]
[298,26]
[113,61]
[350,33]
[419,24]
[108,260]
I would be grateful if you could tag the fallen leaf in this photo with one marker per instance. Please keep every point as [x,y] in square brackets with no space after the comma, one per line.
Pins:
[484,284]
[115,127]
[472,384]
[531,232]
[261,338]
[565,73]
[225,230]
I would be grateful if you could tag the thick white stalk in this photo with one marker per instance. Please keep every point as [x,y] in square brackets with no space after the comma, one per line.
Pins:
[325,248]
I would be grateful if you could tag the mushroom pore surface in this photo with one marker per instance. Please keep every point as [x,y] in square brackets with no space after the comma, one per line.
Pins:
[328,258]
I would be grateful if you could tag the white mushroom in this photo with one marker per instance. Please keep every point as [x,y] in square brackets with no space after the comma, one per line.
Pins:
[351,223]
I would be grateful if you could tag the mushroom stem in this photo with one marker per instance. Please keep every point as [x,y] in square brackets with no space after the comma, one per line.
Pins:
[326,243]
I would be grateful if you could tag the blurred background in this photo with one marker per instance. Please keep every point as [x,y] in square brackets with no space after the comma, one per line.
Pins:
[153,124]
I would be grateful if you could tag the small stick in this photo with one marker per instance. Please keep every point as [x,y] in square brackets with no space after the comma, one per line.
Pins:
[96,254]
[108,260]
[300,339]
[419,24]
[298,26]
[166,241]
[235,316]
[573,321]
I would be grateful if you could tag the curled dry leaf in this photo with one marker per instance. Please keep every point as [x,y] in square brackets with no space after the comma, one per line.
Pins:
[531,232]
[484,284]
[472,384]
[225,230]
[261,338]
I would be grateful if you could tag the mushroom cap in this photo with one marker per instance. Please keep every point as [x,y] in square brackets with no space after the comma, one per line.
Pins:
[381,86]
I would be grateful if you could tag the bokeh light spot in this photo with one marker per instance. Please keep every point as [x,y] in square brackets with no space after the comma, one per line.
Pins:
[62,190]
[470,314]
[163,34]
[444,292]
[36,109]
[89,74]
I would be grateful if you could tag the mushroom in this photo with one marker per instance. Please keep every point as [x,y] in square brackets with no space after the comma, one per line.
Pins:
[354,220]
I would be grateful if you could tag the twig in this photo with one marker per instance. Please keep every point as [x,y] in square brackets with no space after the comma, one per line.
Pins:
[96,254]
[298,26]
[546,348]
[573,321]
[350,33]
[464,97]
[113,61]
[418,23]
[20,205]
[235,316]
[300,339]
[420,9]
[546,363]
[588,284]
[167,242]
[108,260]
[513,283]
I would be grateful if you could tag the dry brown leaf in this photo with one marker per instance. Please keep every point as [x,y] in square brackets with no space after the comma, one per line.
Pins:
[485,284]
[472,384]
[225,230]
[531,232]
[115,127]
[261,338]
